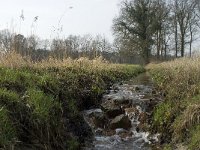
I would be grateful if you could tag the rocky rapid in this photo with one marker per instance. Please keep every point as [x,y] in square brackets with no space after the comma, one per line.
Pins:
[122,121]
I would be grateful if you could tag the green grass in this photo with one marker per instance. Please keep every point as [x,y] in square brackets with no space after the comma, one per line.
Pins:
[7,130]
[162,116]
[41,103]
[194,138]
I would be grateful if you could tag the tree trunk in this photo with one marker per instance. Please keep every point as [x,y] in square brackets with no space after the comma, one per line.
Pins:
[176,39]
[191,40]
[182,45]
[146,54]
[158,46]
[165,49]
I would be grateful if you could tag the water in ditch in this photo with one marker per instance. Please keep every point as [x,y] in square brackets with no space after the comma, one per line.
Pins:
[122,120]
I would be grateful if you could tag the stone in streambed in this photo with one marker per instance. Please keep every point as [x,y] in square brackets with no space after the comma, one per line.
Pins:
[120,131]
[123,133]
[137,88]
[109,132]
[126,135]
[131,112]
[142,127]
[142,117]
[120,121]
[98,131]
[120,98]
[111,109]
[97,118]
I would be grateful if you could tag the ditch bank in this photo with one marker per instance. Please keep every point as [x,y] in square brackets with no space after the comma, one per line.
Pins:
[40,108]
[177,117]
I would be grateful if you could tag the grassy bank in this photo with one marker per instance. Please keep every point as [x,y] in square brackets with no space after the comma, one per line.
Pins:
[178,117]
[40,103]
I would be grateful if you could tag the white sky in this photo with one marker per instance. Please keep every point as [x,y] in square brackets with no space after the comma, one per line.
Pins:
[87,16]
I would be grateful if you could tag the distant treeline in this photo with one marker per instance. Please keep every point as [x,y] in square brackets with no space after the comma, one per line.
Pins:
[72,46]
[144,30]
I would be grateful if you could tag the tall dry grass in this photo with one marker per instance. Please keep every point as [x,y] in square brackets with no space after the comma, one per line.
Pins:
[180,80]
[189,118]
[180,77]
[15,60]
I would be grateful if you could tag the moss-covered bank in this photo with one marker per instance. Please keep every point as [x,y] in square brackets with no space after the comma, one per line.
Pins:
[178,117]
[40,104]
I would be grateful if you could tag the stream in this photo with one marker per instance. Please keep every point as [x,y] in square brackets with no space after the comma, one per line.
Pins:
[123,119]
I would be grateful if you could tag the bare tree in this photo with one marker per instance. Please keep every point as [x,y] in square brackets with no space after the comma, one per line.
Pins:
[184,16]
[6,39]
[161,25]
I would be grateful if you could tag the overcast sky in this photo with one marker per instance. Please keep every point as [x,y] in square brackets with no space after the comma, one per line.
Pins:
[75,16]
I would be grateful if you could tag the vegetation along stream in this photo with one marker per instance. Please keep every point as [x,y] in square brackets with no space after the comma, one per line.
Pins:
[131,83]
[122,120]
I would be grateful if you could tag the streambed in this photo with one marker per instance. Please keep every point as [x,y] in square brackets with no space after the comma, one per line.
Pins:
[123,119]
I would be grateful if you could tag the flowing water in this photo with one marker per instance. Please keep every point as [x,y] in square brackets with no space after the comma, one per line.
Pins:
[141,96]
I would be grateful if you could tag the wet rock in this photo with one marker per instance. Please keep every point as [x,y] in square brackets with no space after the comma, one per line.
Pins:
[121,101]
[125,135]
[125,106]
[96,118]
[109,132]
[139,108]
[142,117]
[120,130]
[118,98]
[137,88]
[99,120]
[132,112]
[142,127]
[115,87]
[120,121]
[91,111]
[98,131]
[111,109]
